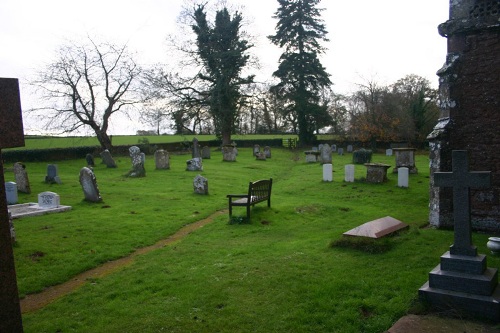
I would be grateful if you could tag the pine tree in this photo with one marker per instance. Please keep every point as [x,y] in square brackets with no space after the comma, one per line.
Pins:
[302,76]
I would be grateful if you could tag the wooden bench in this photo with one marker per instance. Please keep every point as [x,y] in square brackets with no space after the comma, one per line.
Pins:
[258,191]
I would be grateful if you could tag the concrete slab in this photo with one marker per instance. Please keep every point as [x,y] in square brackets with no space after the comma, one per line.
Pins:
[33,209]
[377,228]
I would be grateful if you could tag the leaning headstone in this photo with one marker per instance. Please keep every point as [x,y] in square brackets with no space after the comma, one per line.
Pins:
[327,173]
[256,150]
[196,149]
[21,176]
[326,154]
[229,153]
[11,193]
[349,148]
[90,160]
[349,173]
[162,159]
[340,151]
[89,185]
[48,200]
[205,153]
[108,159]
[462,282]
[267,151]
[194,164]
[52,174]
[403,177]
[200,185]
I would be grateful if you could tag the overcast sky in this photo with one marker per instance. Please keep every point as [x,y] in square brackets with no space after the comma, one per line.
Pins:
[382,40]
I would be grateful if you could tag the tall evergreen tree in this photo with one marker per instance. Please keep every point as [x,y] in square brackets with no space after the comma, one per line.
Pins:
[299,31]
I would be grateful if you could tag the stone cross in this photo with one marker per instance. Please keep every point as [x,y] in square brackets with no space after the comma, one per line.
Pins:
[461,180]
[11,135]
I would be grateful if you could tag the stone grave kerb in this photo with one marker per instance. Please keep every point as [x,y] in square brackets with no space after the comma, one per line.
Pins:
[11,135]
[461,180]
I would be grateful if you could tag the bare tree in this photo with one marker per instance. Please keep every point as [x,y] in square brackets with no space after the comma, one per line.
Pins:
[86,84]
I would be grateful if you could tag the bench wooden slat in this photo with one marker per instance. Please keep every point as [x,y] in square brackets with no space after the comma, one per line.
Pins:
[258,191]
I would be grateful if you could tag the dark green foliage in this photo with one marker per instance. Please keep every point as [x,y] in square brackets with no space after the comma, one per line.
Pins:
[302,76]
[361,156]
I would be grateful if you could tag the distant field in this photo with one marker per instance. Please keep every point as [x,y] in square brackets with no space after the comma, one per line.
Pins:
[40,142]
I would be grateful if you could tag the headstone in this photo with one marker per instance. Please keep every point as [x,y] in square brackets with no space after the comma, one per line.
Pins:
[89,185]
[162,159]
[334,148]
[196,149]
[21,176]
[311,156]
[256,150]
[388,152]
[194,164]
[229,153]
[376,172]
[405,157]
[90,160]
[314,148]
[349,173]
[138,169]
[52,174]
[349,148]
[143,158]
[205,153]
[326,154]
[260,156]
[12,135]
[320,146]
[403,177]
[327,173]
[377,228]
[200,185]
[267,151]
[340,151]
[462,282]
[11,193]
[48,200]
[108,159]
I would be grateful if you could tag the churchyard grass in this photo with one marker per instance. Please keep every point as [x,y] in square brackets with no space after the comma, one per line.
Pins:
[278,273]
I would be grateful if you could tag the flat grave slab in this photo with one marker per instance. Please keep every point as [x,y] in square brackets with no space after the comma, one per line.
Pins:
[377,228]
[33,209]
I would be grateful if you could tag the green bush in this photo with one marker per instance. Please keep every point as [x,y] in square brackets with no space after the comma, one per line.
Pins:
[361,156]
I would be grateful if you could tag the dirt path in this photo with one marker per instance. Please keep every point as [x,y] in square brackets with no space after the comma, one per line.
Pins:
[34,302]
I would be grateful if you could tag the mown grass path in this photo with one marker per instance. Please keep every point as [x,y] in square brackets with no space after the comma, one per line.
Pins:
[37,301]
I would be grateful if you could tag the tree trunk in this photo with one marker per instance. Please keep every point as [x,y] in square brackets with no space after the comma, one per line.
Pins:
[104,139]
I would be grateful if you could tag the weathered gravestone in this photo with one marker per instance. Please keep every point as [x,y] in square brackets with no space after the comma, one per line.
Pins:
[194,164]
[405,158]
[267,151]
[138,169]
[48,200]
[196,149]
[462,282]
[21,176]
[326,154]
[200,185]
[340,151]
[162,159]
[349,148]
[205,153]
[89,185]
[11,193]
[90,160]
[376,172]
[108,159]
[11,135]
[229,153]
[260,156]
[52,174]
[256,150]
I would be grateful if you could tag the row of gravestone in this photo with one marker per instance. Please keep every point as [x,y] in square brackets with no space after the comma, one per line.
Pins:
[22,180]
[373,175]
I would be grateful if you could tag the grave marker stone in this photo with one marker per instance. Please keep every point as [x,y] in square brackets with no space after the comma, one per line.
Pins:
[349,173]
[349,148]
[52,174]
[90,160]
[196,149]
[376,172]
[403,177]
[229,153]
[89,185]
[162,159]
[260,156]
[405,157]
[462,282]
[334,148]
[47,200]
[267,151]
[194,164]
[11,193]
[205,152]
[388,152]
[256,150]
[377,228]
[21,176]
[200,185]
[11,135]
[108,159]
[326,154]
[340,151]
[137,162]
[327,172]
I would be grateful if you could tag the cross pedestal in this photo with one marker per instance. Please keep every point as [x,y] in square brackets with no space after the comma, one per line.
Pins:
[462,282]
[11,135]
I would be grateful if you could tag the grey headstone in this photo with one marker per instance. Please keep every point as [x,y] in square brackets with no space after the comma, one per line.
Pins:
[388,152]
[349,148]
[326,154]
[108,159]
[90,160]
[162,159]
[256,150]
[340,151]
[48,200]
[196,149]
[205,153]
[200,185]
[403,177]
[260,156]
[52,174]
[11,193]
[194,164]
[267,151]
[137,159]
[229,153]
[21,176]
[334,147]
[89,185]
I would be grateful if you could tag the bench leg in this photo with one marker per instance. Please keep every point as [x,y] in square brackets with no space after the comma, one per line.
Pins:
[248,212]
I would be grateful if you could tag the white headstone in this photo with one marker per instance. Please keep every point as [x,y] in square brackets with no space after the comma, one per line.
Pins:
[48,200]
[327,172]
[388,152]
[349,173]
[11,193]
[403,177]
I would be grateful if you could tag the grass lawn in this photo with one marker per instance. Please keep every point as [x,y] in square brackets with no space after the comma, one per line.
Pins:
[278,273]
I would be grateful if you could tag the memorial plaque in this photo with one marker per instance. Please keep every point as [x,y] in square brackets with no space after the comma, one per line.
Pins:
[11,121]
